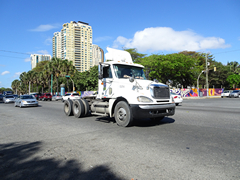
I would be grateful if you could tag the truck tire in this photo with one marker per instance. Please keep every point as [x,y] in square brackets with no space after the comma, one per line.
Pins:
[123,114]
[67,107]
[86,107]
[78,108]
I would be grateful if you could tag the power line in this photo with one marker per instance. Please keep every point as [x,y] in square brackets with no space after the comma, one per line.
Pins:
[227,51]
[13,57]
[15,52]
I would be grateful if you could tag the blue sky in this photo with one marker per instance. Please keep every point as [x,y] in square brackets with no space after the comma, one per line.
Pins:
[159,27]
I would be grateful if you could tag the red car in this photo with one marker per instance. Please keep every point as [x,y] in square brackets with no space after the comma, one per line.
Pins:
[45,97]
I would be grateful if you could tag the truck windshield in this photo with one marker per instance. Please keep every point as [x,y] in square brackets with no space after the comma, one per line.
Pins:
[125,71]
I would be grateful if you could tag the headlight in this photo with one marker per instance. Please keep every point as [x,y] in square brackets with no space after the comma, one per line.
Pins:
[23,101]
[151,92]
[144,99]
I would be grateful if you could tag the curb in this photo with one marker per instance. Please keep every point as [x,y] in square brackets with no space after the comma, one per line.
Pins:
[205,97]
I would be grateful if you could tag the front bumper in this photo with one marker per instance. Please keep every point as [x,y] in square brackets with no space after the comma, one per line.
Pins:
[9,101]
[29,104]
[152,111]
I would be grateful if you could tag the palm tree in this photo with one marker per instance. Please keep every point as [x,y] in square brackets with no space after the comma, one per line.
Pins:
[68,69]
[24,80]
[13,85]
[36,79]
[57,66]
[48,71]
[42,80]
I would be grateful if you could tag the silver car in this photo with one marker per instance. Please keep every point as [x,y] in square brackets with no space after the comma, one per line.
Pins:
[235,94]
[56,97]
[25,100]
[8,99]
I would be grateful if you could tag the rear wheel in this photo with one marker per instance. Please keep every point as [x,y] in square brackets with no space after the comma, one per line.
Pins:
[67,107]
[86,106]
[123,114]
[78,108]
[177,104]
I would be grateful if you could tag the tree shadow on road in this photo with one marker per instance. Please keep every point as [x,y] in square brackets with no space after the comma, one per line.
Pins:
[18,161]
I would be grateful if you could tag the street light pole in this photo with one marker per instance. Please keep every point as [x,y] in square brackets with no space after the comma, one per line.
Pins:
[198,83]
[207,74]
[67,76]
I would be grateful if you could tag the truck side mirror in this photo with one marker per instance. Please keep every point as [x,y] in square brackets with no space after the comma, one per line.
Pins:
[100,76]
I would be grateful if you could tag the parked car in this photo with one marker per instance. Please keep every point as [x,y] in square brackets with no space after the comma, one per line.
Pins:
[72,96]
[15,96]
[36,95]
[45,97]
[1,97]
[226,93]
[56,97]
[235,94]
[177,98]
[25,100]
[8,99]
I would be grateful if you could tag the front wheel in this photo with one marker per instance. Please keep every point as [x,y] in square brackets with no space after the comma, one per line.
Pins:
[123,114]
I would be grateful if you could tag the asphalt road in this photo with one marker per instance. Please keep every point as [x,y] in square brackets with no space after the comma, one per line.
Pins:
[201,141]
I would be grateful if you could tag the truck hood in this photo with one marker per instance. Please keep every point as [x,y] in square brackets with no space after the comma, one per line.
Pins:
[145,84]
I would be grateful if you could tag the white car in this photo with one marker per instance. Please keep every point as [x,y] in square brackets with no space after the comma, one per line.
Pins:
[72,96]
[8,99]
[226,93]
[177,98]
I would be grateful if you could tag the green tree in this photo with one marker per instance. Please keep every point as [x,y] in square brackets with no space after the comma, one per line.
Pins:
[234,80]
[174,68]
[136,57]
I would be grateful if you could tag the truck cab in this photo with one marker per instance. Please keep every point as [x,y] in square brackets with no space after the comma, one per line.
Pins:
[125,93]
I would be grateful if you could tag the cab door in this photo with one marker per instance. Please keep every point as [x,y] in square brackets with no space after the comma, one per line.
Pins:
[105,88]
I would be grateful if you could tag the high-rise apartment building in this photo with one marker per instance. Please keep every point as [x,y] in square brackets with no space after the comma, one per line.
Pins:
[97,54]
[57,45]
[36,58]
[76,44]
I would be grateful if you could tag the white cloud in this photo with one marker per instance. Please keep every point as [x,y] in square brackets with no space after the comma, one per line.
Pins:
[48,41]
[17,74]
[5,72]
[46,27]
[27,59]
[166,39]
[104,38]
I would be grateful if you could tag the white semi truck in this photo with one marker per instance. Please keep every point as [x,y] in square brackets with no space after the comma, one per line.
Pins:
[124,93]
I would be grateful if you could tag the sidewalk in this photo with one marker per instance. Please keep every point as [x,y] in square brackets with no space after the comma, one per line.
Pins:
[204,97]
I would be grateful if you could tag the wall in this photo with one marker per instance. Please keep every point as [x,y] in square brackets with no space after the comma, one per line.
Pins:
[193,92]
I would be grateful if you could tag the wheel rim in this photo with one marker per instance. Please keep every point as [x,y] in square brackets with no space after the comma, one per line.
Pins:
[122,114]
[66,108]
[76,110]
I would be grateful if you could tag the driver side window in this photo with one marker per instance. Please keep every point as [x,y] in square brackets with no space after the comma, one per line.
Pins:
[107,73]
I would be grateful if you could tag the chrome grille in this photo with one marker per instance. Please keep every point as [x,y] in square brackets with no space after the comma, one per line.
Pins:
[161,92]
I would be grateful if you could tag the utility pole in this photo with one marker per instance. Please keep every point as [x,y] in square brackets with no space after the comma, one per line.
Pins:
[207,74]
